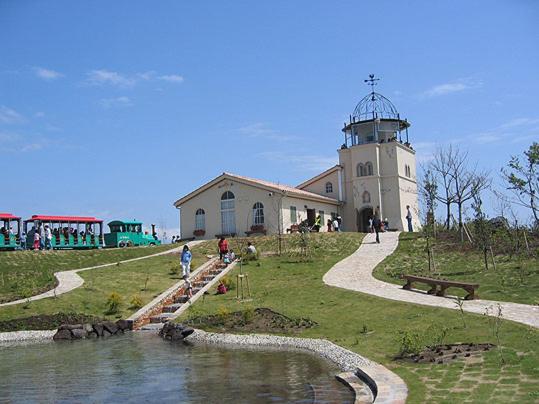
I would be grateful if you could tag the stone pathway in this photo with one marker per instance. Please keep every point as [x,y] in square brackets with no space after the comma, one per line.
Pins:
[69,280]
[355,273]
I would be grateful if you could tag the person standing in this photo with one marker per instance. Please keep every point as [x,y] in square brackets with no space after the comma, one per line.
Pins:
[23,241]
[409,218]
[37,237]
[48,238]
[223,247]
[377,224]
[317,223]
[336,225]
[370,225]
[330,225]
[185,261]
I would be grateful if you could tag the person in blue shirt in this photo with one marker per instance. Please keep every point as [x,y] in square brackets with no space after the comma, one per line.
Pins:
[185,260]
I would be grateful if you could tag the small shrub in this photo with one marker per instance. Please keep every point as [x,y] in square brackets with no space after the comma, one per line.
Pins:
[223,312]
[410,342]
[227,281]
[136,302]
[174,270]
[248,315]
[113,303]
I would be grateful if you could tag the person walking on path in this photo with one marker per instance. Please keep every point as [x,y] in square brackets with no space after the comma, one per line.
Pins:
[377,224]
[370,225]
[185,260]
[223,247]
[409,218]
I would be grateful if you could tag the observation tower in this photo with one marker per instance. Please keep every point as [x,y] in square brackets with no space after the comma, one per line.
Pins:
[378,164]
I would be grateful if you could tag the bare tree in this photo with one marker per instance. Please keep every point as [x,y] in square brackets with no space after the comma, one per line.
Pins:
[465,182]
[441,168]
[428,189]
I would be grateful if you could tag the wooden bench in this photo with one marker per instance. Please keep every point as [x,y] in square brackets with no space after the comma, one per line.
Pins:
[443,284]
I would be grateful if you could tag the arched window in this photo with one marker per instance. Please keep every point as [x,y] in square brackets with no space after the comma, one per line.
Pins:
[200,219]
[407,171]
[368,168]
[366,197]
[228,214]
[360,170]
[329,187]
[258,213]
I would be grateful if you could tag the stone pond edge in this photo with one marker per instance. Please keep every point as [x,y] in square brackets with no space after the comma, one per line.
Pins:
[385,386]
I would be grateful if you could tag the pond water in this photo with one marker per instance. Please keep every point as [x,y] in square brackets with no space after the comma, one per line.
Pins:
[140,367]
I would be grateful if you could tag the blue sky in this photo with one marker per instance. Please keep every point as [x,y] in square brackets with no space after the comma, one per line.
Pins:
[116,109]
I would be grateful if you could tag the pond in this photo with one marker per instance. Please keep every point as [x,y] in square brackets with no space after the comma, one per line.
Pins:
[141,367]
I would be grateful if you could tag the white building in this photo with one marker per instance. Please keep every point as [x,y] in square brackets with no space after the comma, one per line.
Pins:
[376,175]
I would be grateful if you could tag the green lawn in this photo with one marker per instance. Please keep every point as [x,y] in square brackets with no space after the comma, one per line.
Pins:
[27,273]
[295,289]
[514,280]
[145,279]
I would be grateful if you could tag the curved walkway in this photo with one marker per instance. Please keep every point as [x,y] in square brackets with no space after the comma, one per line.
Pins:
[69,280]
[355,273]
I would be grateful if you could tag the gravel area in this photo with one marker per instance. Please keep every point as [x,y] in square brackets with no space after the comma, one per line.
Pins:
[22,336]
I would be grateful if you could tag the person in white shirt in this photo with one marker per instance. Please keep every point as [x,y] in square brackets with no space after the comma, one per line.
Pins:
[336,226]
[251,248]
[48,238]
[409,218]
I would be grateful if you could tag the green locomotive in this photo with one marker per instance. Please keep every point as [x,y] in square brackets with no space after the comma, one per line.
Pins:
[128,233]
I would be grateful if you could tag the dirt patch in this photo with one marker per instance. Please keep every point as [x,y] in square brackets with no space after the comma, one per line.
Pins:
[46,322]
[257,320]
[448,353]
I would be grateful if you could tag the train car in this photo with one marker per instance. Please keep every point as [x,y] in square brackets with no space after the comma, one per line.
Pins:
[128,233]
[68,232]
[10,231]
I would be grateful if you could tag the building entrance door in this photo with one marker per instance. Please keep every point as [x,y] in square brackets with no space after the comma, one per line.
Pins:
[362,219]
[311,217]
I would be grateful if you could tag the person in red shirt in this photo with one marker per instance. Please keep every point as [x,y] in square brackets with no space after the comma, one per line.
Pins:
[223,247]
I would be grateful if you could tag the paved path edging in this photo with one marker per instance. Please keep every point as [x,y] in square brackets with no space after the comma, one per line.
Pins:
[388,387]
[70,280]
[355,273]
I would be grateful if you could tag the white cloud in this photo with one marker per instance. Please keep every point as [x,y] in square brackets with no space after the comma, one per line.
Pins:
[39,114]
[172,78]
[261,130]
[301,162]
[14,142]
[107,77]
[424,151]
[101,77]
[47,74]
[8,115]
[456,86]
[118,102]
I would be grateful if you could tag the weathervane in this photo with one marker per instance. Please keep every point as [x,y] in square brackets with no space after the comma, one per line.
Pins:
[372,81]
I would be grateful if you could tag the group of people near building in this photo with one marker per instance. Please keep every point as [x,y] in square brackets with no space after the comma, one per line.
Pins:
[334,223]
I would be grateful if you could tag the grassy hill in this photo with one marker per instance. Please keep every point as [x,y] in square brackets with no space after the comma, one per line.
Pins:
[515,279]
[27,273]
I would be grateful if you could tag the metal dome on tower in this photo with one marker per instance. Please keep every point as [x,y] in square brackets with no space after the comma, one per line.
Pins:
[375,120]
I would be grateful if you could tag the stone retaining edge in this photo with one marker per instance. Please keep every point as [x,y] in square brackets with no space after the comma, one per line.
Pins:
[385,386]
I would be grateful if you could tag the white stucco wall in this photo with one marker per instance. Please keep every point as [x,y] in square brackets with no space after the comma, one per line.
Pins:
[319,186]
[245,197]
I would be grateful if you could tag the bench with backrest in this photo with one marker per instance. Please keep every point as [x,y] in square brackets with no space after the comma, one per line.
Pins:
[442,284]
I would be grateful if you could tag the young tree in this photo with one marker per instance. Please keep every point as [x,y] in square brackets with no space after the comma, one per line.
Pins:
[441,168]
[466,182]
[522,178]
[482,227]
[428,189]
